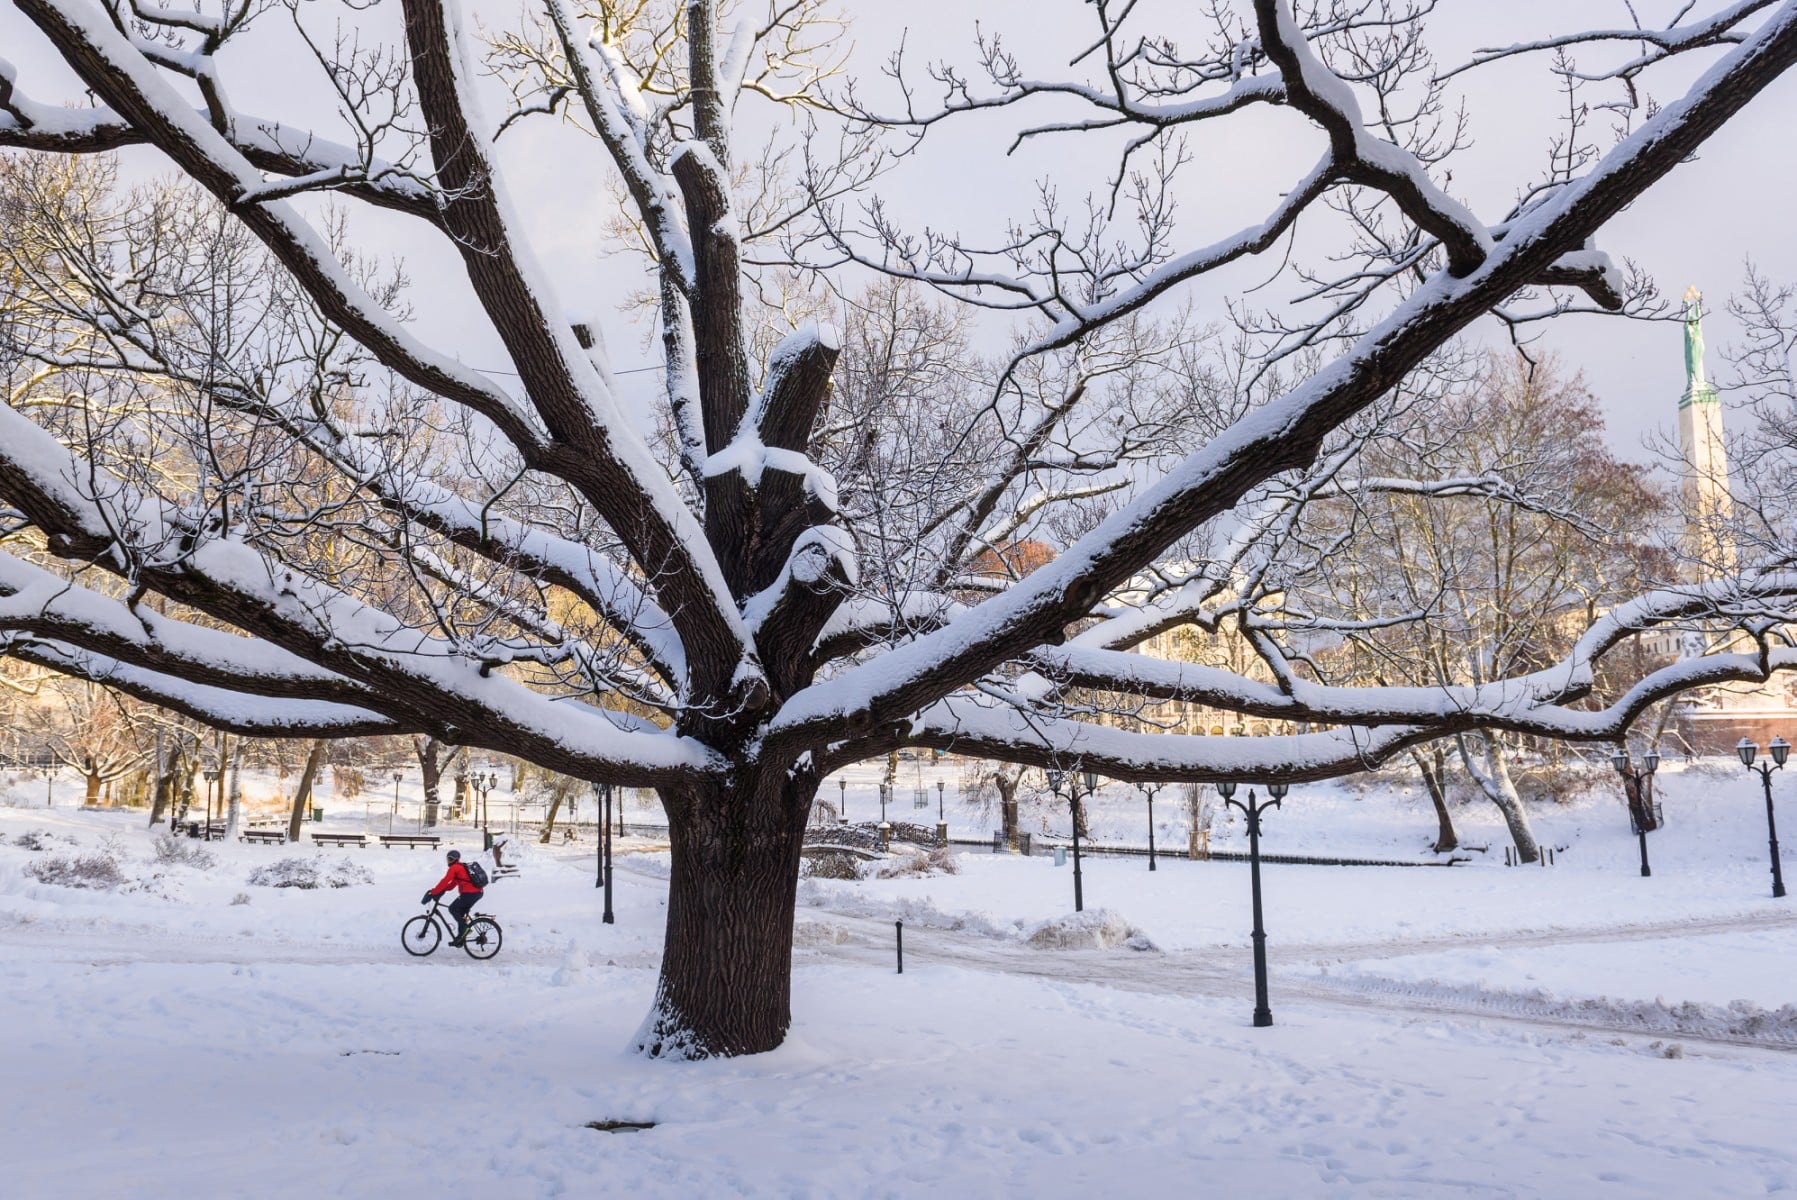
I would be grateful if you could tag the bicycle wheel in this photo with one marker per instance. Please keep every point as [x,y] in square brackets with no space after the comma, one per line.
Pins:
[483,938]
[420,936]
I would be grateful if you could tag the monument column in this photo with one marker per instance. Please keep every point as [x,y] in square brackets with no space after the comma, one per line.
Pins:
[1705,486]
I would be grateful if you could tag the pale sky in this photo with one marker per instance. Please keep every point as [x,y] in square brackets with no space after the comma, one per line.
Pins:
[1698,226]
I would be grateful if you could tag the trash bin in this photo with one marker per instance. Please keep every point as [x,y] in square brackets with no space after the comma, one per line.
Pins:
[317,813]
[430,814]
[487,839]
[1023,844]
[1060,856]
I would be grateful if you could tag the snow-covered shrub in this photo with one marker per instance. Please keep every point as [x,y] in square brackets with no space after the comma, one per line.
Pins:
[240,898]
[918,862]
[310,873]
[35,839]
[1099,929]
[100,872]
[183,852]
[830,864]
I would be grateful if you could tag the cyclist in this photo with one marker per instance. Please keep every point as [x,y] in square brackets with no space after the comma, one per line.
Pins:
[469,894]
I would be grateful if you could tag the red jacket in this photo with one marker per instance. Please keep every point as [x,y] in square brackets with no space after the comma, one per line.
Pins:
[456,877]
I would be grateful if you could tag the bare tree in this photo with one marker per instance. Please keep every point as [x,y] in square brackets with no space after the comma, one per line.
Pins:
[1502,578]
[189,462]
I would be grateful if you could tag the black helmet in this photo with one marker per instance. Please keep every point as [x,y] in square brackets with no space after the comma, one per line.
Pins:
[454,856]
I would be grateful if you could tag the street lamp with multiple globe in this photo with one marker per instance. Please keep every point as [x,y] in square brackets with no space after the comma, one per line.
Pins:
[1779,750]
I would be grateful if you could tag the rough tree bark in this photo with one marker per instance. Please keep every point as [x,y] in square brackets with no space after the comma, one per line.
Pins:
[726,976]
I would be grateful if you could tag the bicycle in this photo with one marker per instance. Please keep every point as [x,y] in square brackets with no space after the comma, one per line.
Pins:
[424,933]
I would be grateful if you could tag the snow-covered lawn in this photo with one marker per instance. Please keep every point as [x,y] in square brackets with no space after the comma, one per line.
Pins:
[164,1041]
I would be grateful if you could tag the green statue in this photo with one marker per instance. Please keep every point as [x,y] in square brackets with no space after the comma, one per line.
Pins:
[1697,386]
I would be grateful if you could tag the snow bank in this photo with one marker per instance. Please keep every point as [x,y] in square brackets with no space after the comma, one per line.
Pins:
[1099,929]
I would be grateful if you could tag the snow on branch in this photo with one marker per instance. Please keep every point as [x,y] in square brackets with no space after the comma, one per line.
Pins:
[977,725]
[1287,433]
[221,708]
[156,549]
[1719,29]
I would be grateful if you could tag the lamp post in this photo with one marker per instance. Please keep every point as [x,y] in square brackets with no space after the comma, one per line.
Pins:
[1263,1015]
[1780,750]
[394,815]
[482,785]
[941,820]
[1641,812]
[211,774]
[885,826]
[1055,779]
[1148,790]
[842,801]
[602,794]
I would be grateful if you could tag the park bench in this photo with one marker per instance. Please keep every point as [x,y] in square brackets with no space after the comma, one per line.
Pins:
[341,839]
[270,837]
[411,841]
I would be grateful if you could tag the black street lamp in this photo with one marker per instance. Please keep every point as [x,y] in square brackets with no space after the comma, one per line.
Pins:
[1780,750]
[1055,779]
[885,826]
[394,815]
[1263,1015]
[941,820]
[1149,789]
[602,794]
[842,801]
[1641,810]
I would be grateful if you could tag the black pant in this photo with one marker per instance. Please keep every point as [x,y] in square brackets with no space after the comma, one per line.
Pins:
[460,908]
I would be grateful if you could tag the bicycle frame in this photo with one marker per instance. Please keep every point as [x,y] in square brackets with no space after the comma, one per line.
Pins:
[445,921]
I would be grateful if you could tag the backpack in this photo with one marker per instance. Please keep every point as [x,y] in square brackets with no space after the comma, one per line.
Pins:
[477,875]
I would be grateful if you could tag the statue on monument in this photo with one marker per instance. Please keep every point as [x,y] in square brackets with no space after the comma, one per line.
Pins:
[1695,383]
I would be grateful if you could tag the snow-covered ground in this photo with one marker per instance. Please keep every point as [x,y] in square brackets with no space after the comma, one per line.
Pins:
[1465,1031]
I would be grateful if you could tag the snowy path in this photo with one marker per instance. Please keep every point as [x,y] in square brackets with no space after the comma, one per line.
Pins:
[1228,975]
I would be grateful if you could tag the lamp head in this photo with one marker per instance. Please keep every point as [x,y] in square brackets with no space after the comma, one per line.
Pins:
[1651,760]
[1278,790]
[1054,779]
[1091,781]
[1746,750]
[1226,788]
[1780,749]
[1619,758]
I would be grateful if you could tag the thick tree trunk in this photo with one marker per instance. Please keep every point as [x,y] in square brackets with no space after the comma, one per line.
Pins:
[92,797]
[726,970]
[1433,765]
[302,795]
